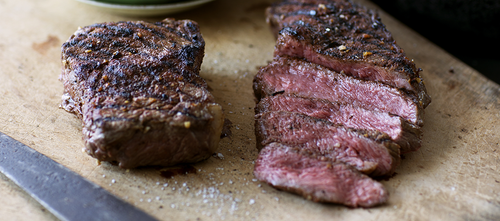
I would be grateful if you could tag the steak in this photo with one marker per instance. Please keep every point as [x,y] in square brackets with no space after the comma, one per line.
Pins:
[345,37]
[136,87]
[339,98]
[406,135]
[293,76]
[370,152]
[321,180]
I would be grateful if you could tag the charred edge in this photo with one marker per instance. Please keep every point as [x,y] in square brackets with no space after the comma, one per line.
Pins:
[406,65]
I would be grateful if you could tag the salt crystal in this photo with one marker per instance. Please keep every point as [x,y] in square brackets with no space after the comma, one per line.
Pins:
[157,183]
[230,182]
[113,181]
[252,201]
[103,176]
[165,185]
[144,192]
[254,180]
[220,155]
[173,206]
[157,198]
[149,200]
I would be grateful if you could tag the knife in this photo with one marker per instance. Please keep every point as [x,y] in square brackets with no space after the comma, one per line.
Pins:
[64,193]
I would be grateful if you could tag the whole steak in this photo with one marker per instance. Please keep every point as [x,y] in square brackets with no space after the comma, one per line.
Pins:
[136,88]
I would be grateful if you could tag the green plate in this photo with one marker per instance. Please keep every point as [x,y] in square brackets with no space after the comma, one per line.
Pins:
[146,10]
[139,2]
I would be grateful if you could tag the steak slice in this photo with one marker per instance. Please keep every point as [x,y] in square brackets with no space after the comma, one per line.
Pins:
[406,135]
[293,76]
[345,37]
[321,180]
[136,88]
[370,152]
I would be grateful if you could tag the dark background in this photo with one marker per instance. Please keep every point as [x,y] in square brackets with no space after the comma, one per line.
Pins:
[468,29]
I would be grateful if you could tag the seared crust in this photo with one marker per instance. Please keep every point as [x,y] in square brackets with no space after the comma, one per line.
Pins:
[344,36]
[136,87]
[339,95]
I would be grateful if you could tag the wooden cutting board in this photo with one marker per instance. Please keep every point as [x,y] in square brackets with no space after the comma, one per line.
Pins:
[454,176]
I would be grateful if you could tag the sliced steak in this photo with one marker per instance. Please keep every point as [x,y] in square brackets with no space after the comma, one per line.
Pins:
[321,180]
[370,152]
[293,76]
[406,135]
[136,88]
[344,37]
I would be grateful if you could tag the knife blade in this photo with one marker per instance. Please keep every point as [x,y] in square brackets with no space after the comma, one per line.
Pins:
[64,193]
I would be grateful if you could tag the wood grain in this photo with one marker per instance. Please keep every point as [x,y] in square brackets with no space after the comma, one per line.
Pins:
[454,176]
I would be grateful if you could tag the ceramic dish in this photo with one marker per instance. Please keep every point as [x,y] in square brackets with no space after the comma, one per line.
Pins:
[138,2]
[147,10]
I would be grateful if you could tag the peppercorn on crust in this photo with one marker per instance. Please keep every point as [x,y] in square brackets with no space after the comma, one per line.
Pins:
[340,94]
[345,37]
[136,88]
